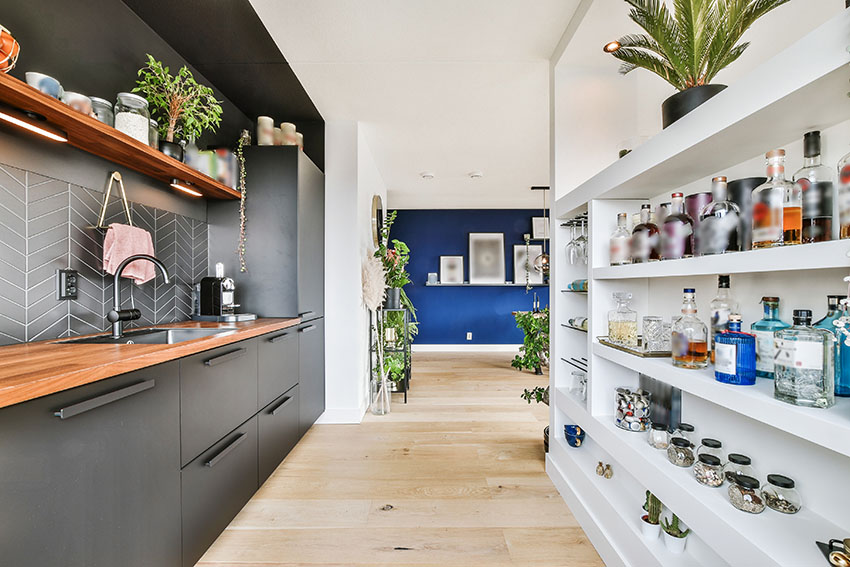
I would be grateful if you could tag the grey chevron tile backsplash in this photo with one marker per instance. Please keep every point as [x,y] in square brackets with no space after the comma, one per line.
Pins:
[44,226]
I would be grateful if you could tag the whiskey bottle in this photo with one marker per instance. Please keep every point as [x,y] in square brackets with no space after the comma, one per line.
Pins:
[735,361]
[645,238]
[844,197]
[804,364]
[718,227]
[689,335]
[721,307]
[677,231]
[814,182]
[764,330]
[769,210]
[619,244]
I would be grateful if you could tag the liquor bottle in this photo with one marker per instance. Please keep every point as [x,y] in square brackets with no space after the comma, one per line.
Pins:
[844,197]
[721,307]
[735,361]
[804,364]
[814,181]
[834,311]
[764,329]
[689,335]
[718,227]
[619,244]
[645,238]
[769,212]
[662,212]
[677,231]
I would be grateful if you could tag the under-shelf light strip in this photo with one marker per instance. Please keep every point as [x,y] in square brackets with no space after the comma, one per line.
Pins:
[22,120]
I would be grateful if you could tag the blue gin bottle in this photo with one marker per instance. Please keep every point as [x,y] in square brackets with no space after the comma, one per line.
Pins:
[763,329]
[735,356]
[834,311]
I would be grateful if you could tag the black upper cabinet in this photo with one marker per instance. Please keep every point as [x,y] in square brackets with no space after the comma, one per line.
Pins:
[285,232]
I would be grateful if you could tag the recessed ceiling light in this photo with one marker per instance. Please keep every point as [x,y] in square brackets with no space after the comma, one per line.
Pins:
[476,174]
[427,175]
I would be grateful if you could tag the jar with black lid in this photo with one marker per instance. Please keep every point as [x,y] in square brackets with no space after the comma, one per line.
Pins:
[738,464]
[781,495]
[712,447]
[745,494]
[708,470]
[659,438]
[679,452]
[685,431]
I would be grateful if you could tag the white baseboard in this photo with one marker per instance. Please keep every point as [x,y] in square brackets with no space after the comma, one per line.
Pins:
[342,415]
[465,348]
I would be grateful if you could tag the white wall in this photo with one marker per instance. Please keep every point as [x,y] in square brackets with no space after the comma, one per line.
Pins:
[351,178]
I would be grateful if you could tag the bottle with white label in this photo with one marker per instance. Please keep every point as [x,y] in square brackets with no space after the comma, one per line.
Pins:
[735,355]
[620,242]
[721,307]
[764,330]
[804,364]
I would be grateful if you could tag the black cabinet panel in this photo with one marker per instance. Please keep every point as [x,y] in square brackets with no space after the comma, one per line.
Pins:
[279,431]
[311,240]
[99,484]
[215,487]
[278,364]
[218,391]
[311,357]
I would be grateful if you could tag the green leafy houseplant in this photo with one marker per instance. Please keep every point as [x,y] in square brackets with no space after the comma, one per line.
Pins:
[672,529]
[537,394]
[689,46]
[395,260]
[534,352]
[183,108]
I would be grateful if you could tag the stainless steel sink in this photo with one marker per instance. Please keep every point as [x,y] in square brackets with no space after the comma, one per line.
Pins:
[152,336]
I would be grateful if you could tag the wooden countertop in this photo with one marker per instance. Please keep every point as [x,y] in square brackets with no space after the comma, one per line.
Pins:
[33,370]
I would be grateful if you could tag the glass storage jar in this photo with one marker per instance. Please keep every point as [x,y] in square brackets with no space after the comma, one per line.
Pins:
[622,321]
[712,447]
[685,431]
[632,408]
[103,110]
[738,465]
[780,494]
[659,438]
[153,133]
[708,470]
[132,117]
[745,494]
[679,452]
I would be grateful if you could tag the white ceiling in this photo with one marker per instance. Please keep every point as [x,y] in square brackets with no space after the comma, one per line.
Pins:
[449,86]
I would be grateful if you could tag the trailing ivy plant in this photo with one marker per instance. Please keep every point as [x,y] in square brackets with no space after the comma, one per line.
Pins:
[534,352]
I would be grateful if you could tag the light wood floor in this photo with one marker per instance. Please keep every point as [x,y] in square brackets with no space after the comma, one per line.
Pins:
[454,478]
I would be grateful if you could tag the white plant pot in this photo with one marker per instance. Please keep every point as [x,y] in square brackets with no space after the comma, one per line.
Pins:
[675,544]
[649,531]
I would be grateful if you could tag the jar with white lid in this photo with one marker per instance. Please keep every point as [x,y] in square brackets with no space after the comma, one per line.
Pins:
[132,117]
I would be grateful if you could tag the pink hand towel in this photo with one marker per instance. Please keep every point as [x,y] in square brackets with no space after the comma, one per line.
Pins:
[123,241]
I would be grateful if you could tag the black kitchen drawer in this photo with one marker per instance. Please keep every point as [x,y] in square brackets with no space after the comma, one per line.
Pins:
[278,364]
[218,391]
[215,487]
[311,378]
[278,425]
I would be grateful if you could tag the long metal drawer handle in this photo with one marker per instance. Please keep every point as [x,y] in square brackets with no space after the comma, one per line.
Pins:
[280,406]
[226,357]
[302,315]
[99,401]
[307,329]
[279,338]
[223,453]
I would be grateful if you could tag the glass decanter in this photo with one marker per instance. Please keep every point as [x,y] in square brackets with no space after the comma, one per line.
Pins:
[622,321]
[719,220]
[804,364]
[619,243]
[814,181]
[764,329]
[645,238]
[690,335]
[835,310]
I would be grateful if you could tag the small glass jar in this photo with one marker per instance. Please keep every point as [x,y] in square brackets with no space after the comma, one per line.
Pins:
[738,465]
[780,494]
[622,321]
[679,452]
[103,110]
[132,117]
[708,470]
[659,438]
[153,133]
[632,409]
[685,431]
[745,495]
[712,447]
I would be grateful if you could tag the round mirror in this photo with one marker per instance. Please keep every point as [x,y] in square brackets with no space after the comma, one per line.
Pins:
[377,219]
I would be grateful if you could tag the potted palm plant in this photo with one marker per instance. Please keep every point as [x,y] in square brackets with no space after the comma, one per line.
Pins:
[689,46]
[650,522]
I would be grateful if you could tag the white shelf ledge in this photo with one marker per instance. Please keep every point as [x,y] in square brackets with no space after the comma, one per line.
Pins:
[828,428]
[467,284]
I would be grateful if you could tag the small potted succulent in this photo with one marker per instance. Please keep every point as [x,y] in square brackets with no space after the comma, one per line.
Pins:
[651,522]
[183,108]
[675,538]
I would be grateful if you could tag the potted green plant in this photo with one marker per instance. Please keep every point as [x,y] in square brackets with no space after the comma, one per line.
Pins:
[534,352]
[675,538]
[539,394]
[395,260]
[182,108]
[689,46]
[650,522]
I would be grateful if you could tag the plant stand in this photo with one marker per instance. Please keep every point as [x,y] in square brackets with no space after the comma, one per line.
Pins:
[402,346]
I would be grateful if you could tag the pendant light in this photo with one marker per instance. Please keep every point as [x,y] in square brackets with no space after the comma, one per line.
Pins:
[541,263]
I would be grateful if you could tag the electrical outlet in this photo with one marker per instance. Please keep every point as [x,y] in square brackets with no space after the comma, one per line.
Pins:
[469,336]
[66,284]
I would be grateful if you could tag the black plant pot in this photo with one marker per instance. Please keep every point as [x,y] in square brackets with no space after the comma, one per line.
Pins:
[546,438]
[393,300]
[171,149]
[685,101]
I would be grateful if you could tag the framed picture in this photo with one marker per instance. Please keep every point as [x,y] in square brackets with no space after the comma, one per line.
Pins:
[523,263]
[486,257]
[539,228]
[451,269]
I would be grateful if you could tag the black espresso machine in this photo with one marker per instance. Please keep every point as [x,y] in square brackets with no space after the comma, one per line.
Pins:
[215,299]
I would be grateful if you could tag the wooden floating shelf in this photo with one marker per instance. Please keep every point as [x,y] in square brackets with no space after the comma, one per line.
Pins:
[99,139]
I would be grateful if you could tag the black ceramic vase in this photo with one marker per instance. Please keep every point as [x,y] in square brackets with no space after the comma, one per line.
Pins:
[741,193]
[171,149]
[393,300]
[685,101]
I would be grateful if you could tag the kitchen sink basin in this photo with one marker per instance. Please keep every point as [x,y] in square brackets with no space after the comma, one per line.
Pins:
[152,336]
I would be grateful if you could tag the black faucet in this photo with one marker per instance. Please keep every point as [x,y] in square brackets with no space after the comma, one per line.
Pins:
[117,315]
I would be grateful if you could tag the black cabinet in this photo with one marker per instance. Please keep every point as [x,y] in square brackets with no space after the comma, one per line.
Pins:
[285,230]
[279,432]
[215,487]
[278,364]
[311,362]
[218,391]
[90,477]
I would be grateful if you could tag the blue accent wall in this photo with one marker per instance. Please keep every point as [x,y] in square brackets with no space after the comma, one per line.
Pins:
[446,314]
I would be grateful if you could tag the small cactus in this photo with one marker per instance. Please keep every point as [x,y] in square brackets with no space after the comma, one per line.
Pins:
[672,527]
[653,508]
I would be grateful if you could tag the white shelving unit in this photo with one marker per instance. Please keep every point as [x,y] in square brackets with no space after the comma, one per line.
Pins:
[810,445]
